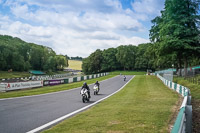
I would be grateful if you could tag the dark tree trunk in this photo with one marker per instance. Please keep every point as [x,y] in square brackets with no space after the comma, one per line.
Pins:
[179,66]
[185,66]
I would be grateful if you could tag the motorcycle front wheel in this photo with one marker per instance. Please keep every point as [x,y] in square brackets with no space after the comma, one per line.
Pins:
[83,99]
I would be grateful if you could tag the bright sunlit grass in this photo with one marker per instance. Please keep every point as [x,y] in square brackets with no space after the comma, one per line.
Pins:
[75,64]
[6,74]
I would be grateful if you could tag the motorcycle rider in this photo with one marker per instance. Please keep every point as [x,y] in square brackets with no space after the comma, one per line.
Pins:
[87,87]
[97,83]
[124,78]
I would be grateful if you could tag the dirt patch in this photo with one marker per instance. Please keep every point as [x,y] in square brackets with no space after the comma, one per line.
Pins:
[175,111]
[195,116]
[114,122]
[115,132]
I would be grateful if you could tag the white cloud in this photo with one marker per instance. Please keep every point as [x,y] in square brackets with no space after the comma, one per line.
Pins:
[68,41]
[76,32]
[20,10]
[148,8]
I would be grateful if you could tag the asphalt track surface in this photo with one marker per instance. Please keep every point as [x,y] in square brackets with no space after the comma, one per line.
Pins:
[20,115]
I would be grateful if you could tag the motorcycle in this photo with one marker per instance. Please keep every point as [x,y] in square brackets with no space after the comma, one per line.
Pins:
[124,78]
[85,96]
[96,89]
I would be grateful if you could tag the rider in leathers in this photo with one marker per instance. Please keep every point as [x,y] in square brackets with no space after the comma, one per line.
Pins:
[97,83]
[87,87]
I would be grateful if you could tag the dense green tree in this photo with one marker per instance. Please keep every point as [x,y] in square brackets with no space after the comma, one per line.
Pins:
[141,61]
[36,57]
[50,64]
[110,62]
[177,30]
[18,55]
[86,66]
[61,62]
[96,59]
[126,56]
[93,63]
[76,58]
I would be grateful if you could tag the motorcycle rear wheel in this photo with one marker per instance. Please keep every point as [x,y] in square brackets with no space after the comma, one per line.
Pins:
[88,99]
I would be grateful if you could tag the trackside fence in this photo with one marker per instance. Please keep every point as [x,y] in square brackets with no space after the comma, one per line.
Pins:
[39,83]
[3,87]
[183,123]
[42,77]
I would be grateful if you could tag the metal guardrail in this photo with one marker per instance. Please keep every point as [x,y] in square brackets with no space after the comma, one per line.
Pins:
[2,87]
[183,123]
[43,77]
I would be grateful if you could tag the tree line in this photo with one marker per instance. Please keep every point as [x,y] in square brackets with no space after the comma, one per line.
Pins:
[176,33]
[175,42]
[19,55]
[124,57]
[76,58]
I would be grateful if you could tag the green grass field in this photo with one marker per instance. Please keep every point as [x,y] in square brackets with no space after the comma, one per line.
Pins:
[194,88]
[5,74]
[128,72]
[145,105]
[48,89]
[75,64]
[195,93]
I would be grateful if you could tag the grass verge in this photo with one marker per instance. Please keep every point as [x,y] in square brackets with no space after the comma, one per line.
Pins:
[48,89]
[5,74]
[128,72]
[195,93]
[194,88]
[144,105]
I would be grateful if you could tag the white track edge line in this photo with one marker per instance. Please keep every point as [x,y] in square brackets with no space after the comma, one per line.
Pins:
[47,93]
[72,113]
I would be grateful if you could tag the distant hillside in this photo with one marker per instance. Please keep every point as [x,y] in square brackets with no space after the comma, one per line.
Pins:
[18,55]
[75,64]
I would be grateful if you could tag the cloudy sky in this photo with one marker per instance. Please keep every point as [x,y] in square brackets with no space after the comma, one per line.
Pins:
[79,27]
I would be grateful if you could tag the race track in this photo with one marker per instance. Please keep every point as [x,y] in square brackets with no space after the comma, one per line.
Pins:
[20,115]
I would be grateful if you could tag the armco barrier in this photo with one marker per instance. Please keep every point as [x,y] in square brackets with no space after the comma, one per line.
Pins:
[23,85]
[3,87]
[53,82]
[75,79]
[82,78]
[66,81]
[78,78]
[183,123]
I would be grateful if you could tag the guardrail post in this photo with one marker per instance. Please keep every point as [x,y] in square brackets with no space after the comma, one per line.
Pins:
[188,118]
[189,100]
